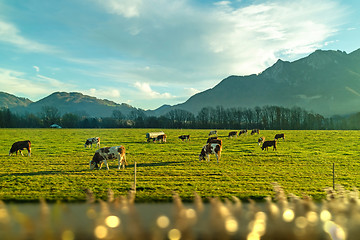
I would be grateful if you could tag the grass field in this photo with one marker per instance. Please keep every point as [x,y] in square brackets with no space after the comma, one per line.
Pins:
[58,168]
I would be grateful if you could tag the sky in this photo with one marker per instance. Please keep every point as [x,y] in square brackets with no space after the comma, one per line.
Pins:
[147,53]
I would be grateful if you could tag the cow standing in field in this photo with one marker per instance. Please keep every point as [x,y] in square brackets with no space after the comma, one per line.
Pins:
[107,153]
[267,144]
[233,133]
[280,135]
[210,148]
[20,145]
[261,140]
[90,141]
[184,137]
[255,131]
[242,131]
[213,133]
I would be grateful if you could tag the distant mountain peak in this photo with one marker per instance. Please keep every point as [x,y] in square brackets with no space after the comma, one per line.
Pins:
[9,101]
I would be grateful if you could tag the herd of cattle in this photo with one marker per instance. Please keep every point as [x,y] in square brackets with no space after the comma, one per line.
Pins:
[213,146]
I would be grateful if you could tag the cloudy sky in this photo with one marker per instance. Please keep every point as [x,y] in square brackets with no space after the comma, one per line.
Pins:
[152,52]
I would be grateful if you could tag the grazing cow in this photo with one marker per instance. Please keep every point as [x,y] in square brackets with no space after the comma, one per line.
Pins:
[210,139]
[233,133]
[210,148]
[255,131]
[267,144]
[280,135]
[261,140]
[213,133]
[90,141]
[184,137]
[107,153]
[242,131]
[20,145]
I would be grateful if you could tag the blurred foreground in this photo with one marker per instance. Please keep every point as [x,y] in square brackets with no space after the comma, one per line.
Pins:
[284,217]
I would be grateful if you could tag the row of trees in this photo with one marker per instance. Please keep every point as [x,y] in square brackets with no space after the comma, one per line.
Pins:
[268,117]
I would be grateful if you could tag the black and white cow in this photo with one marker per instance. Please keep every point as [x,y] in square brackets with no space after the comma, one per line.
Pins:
[108,153]
[210,148]
[213,133]
[184,137]
[90,141]
[267,144]
[242,131]
[20,145]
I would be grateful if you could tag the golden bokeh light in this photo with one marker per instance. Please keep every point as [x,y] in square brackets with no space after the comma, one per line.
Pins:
[174,234]
[163,221]
[112,221]
[100,232]
[288,215]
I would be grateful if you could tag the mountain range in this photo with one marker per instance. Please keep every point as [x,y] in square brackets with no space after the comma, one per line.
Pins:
[72,102]
[325,82]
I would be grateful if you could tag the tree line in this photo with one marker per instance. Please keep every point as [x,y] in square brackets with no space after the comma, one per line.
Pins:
[267,117]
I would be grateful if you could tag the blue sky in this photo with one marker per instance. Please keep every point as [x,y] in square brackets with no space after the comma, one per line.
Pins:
[152,52]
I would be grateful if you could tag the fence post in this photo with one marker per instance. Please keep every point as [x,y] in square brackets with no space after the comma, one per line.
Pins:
[334,176]
[135,176]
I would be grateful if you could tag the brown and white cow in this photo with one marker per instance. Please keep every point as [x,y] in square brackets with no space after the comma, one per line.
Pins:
[213,133]
[242,131]
[184,137]
[161,138]
[210,148]
[261,140]
[255,131]
[280,135]
[20,145]
[267,144]
[232,133]
[90,141]
[108,153]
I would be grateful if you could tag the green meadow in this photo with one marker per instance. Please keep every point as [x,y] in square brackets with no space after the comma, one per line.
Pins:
[58,168]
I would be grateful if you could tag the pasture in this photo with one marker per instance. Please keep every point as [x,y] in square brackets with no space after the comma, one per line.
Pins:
[58,168]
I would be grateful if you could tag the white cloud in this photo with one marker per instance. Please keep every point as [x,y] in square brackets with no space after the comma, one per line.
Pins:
[126,8]
[146,89]
[19,83]
[191,91]
[104,93]
[223,39]
[10,34]
[37,69]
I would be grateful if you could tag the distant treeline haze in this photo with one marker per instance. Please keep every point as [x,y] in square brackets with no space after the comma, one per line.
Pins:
[268,117]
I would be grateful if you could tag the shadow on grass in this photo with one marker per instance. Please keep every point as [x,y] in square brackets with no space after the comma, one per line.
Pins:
[39,173]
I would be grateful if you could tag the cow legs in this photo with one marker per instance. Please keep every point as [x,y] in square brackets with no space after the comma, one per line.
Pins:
[20,152]
[106,164]
[29,152]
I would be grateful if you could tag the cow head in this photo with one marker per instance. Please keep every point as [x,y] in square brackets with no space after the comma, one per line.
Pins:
[93,164]
[202,155]
[95,161]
